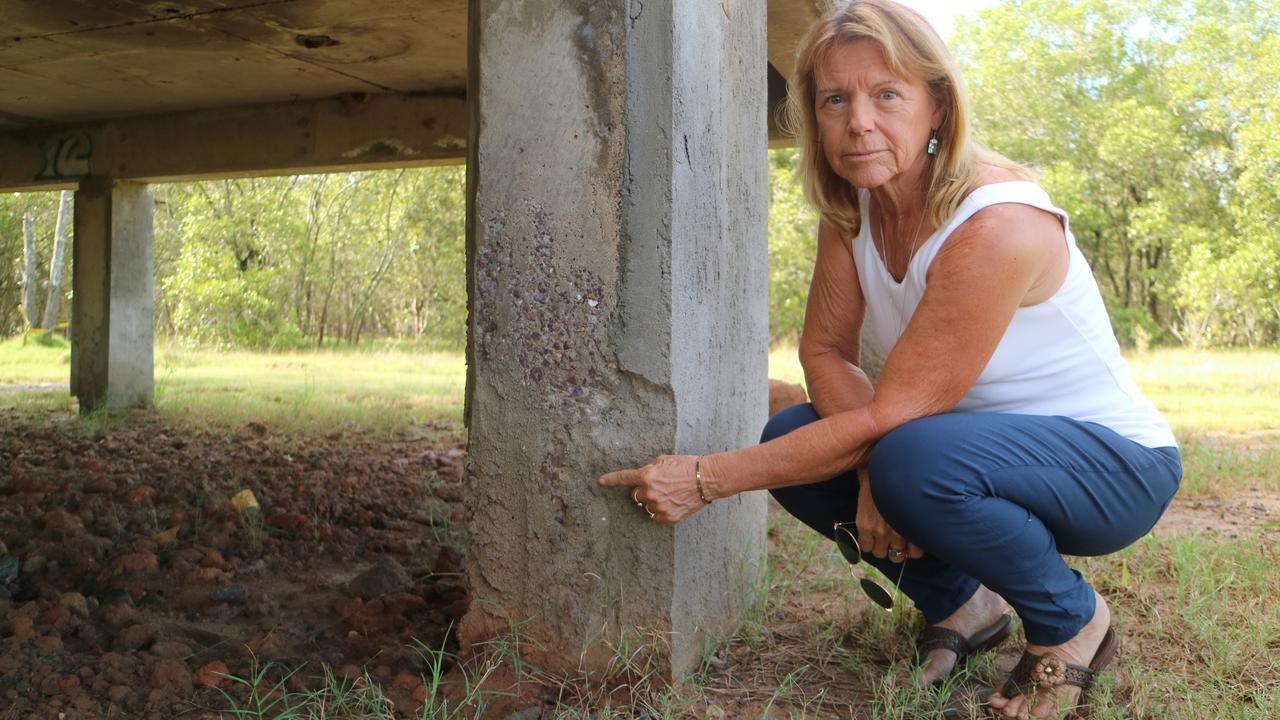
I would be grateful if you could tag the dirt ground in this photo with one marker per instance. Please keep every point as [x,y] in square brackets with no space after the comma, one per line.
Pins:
[130,582]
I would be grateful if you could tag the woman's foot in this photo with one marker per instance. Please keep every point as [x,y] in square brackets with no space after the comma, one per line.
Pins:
[980,612]
[1079,650]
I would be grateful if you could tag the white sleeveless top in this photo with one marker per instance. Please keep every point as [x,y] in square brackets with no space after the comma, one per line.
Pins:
[1059,357]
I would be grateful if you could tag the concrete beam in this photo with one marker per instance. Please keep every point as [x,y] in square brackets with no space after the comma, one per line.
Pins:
[112,304]
[357,132]
[619,310]
[789,20]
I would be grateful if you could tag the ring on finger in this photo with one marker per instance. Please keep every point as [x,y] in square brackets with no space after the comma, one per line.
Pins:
[634,498]
[652,514]
[894,553]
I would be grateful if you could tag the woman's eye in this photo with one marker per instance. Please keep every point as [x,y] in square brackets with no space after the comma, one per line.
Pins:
[834,99]
[888,94]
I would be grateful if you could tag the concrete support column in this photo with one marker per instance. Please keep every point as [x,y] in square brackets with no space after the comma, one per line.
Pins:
[618,197]
[113,297]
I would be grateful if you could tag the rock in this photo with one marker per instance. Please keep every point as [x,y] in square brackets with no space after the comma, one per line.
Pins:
[61,521]
[22,627]
[212,558]
[118,614]
[383,615]
[24,481]
[170,649]
[35,564]
[8,569]
[165,538]
[56,617]
[172,676]
[139,562]
[290,522]
[529,713]
[76,603]
[387,576]
[48,644]
[449,561]
[91,465]
[234,594]
[118,693]
[136,637]
[100,485]
[213,675]
[204,574]
[406,680]
[140,495]
[68,685]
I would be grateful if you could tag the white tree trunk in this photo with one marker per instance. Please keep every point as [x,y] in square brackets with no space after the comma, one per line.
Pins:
[54,302]
[29,265]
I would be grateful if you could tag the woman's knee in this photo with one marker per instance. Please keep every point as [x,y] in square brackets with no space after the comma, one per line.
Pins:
[910,464]
[787,420]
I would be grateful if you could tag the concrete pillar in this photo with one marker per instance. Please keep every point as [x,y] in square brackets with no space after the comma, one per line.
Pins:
[113,298]
[618,196]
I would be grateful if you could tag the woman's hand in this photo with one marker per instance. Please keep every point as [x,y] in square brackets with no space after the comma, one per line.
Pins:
[874,534]
[666,487]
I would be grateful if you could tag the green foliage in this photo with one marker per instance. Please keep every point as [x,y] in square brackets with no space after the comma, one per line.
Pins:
[1150,123]
[44,210]
[793,230]
[313,260]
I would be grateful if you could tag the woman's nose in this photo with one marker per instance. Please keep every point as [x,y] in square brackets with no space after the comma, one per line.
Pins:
[860,116]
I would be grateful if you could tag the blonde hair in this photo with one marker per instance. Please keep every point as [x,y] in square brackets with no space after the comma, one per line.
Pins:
[912,50]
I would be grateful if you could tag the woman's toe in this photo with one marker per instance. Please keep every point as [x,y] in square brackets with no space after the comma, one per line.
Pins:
[1051,706]
[996,700]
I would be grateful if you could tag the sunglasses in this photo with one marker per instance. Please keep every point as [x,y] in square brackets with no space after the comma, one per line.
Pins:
[847,542]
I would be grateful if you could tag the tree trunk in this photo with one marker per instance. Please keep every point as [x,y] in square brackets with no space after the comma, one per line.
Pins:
[53,303]
[29,265]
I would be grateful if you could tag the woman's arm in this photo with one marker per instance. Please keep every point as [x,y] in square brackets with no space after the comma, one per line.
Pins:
[833,316]
[996,261]
[1003,257]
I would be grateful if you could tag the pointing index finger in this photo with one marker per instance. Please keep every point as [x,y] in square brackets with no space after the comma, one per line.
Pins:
[621,477]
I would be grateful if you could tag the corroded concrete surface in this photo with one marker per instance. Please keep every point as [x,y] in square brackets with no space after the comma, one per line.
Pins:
[619,312]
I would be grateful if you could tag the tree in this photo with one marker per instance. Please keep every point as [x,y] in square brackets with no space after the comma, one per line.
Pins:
[29,282]
[1144,118]
[54,301]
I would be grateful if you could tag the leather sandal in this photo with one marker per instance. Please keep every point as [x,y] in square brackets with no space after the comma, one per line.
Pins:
[1049,671]
[940,638]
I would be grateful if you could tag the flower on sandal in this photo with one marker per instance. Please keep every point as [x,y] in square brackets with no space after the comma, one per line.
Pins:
[1049,671]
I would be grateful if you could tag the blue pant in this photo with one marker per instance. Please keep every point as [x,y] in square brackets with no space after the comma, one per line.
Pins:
[995,499]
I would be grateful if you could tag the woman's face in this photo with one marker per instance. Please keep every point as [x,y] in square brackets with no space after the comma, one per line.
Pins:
[874,126]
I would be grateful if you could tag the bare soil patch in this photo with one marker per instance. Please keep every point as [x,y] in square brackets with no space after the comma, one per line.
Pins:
[1247,512]
[131,584]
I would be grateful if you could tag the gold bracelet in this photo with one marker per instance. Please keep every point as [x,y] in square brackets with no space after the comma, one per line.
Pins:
[697,476]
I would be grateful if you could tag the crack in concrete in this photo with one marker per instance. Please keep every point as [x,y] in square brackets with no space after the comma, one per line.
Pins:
[152,21]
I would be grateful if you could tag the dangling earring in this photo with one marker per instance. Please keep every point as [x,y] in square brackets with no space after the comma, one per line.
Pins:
[933,143]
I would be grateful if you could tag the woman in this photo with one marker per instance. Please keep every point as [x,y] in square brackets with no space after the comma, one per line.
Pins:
[1004,429]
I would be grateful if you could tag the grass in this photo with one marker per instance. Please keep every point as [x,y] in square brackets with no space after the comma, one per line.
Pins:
[1224,407]
[383,392]
[1199,613]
